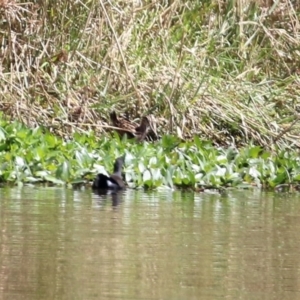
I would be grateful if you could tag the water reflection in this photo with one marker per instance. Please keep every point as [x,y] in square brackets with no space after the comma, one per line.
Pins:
[76,244]
[107,195]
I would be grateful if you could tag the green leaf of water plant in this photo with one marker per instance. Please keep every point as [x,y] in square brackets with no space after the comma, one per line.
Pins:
[146,175]
[2,134]
[141,167]
[32,179]
[42,174]
[51,140]
[156,174]
[279,179]
[254,172]
[297,177]
[19,162]
[78,181]
[197,142]
[255,151]
[54,180]
[63,171]
[169,176]
[221,171]
[152,161]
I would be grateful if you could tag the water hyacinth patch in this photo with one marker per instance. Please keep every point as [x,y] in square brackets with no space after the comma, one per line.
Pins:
[36,155]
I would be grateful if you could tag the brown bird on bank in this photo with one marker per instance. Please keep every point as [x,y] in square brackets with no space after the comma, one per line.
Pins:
[124,126]
[146,129]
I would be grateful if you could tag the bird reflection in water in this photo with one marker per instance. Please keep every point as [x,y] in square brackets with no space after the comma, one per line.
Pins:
[114,196]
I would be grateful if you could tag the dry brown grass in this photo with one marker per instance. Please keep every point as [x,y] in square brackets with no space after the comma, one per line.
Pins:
[228,71]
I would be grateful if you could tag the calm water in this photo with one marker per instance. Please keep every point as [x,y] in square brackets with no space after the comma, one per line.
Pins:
[65,244]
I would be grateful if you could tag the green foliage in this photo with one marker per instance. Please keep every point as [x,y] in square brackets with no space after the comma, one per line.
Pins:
[35,155]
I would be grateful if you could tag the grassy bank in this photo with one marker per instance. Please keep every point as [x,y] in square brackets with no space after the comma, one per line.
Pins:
[223,71]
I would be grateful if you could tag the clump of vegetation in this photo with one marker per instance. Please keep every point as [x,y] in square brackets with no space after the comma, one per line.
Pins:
[226,71]
[38,156]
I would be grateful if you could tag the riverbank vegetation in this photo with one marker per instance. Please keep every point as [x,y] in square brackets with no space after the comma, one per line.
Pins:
[225,72]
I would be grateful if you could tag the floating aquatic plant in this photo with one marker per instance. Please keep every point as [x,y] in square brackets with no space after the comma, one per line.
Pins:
[36,155]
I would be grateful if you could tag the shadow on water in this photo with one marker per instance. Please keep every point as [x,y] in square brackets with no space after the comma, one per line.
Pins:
[58,243]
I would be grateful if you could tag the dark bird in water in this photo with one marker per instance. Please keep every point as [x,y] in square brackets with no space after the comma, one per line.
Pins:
[112,182]
[146,129]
